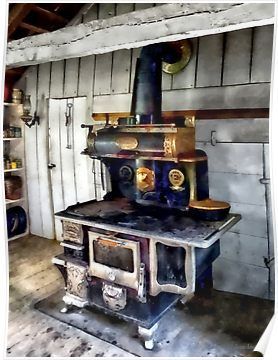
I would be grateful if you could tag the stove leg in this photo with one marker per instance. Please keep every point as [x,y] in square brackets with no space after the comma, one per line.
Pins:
[148,336]
[70,301]
[186,298]
[67,306]
[65,309]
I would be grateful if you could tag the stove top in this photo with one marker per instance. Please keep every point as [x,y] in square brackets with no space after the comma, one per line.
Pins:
[121,215]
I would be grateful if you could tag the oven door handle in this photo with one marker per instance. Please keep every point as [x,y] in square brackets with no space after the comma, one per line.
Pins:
[111,239]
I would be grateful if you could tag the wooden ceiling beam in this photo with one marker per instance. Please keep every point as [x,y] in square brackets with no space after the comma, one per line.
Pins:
[34,29]
[162,23]
[50,15]
[17,14]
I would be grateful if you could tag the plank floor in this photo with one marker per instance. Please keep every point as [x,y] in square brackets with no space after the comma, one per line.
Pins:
[31,333]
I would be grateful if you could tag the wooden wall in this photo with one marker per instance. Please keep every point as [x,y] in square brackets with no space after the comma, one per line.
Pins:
[230,70]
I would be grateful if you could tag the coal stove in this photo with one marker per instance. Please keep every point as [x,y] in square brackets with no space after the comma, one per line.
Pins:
[152,241]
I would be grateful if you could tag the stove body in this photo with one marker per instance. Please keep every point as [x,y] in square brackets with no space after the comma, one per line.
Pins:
[139,251]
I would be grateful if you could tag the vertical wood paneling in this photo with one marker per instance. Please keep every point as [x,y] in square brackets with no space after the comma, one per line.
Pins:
[98,179]
[106,10]
[237,57]
[240,278]
[253,220]
[142,6]
[107,182]
[72,179]
[86,88]
[83,174]
[56,91]
[186,78]
[32,176]
[91,183]
[166,81]
[121,60]
[136,52]
[134,57]
[103,74]
[262,54]
[86,83]
[67,159]
[71,77]
[104,61]
[43,151]
[121,71]
[244,248]
[234,130]
[91,13]
[238,188]
[266,175]
[86,76]
[210,60]
[234,158]
[54,157]
[54,153]
[57,79]
[122,8]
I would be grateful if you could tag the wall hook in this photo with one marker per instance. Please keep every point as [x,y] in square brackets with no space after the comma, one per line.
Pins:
[213,139]
[68,123]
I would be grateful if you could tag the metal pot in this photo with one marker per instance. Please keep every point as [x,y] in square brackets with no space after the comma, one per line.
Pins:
[209,210]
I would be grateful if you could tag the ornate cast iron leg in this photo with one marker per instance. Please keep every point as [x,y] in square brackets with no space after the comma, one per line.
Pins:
[148,336]
[65,309]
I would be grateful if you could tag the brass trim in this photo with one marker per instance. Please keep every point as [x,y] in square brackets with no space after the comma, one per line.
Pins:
[190,121]
[127,143]
[180,143]
[176,178]
[189,159]
[209,204]
[186,52]
[148,129]
[170,145]
[191,174]
[145,179]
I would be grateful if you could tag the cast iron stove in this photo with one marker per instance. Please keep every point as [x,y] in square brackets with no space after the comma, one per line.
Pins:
[152,240]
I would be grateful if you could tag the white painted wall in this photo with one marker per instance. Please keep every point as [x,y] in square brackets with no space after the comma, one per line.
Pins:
[229,70]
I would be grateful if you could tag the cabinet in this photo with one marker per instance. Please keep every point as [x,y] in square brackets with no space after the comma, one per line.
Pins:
[14,166]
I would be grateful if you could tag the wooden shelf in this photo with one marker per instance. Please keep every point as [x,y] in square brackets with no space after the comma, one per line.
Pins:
[200,114]
[14,149]
[10,170]
[10,104]
[14,138]
[18,236]
[8,201]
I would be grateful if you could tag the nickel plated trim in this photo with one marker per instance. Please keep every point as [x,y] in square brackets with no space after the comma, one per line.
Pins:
[204,243]
[155,287]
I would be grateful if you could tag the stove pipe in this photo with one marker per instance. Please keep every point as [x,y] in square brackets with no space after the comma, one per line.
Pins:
[146,97]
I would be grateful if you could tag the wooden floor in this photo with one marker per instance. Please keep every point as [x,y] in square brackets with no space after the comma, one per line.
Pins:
[31,333]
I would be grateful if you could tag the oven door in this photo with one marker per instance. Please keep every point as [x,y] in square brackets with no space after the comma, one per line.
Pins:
[114,259]
[172,267]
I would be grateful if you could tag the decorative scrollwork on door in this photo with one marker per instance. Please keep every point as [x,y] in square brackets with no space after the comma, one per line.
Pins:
[76,280]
